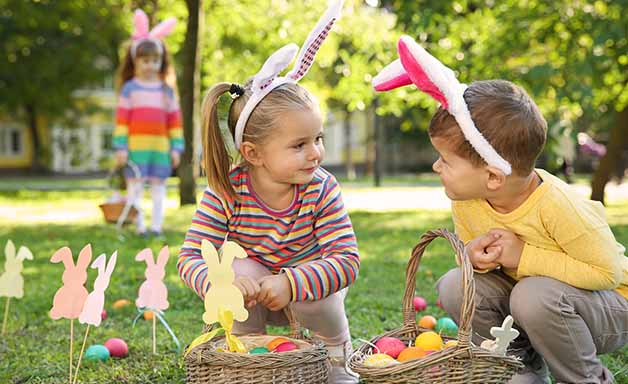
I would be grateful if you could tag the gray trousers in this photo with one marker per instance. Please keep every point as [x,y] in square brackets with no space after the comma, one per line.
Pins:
[567,326]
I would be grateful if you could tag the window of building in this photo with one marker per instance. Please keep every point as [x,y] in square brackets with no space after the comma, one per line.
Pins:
[11,141]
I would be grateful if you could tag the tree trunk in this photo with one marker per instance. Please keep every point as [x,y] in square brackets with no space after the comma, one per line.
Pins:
[31,116]
[349,148]
[190,93]
[617,142]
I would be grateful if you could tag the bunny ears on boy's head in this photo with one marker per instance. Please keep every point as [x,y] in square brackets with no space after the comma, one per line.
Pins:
[416,66]
[268,77]
[141,32]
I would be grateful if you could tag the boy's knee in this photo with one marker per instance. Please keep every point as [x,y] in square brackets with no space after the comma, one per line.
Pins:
[533,300]
[449,288]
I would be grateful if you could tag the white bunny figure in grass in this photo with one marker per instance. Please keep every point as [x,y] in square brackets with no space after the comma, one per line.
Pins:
[95,302]
[222,292]
[11,281]
[153,293]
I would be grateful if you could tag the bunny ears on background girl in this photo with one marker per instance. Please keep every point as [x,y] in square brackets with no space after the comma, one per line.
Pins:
[416,66]
[141,32]
[268,77]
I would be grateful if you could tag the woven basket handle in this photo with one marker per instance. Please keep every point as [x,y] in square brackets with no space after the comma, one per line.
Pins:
[468,285]
[295,327]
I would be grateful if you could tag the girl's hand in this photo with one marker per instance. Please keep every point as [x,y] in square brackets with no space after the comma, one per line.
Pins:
[175,157]
[275,292]
[122,157]
[484,251]
[250,290]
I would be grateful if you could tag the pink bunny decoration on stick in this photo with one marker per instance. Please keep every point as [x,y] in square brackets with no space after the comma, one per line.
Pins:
[92,310]
[153,293]
[141,32]
[11,281]
[69,300]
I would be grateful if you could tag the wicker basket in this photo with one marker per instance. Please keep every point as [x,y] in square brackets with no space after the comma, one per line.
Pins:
[464,363]
[308,364]
[112,212]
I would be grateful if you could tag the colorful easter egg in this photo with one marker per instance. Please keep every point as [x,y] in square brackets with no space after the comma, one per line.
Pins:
[117,347]
[118,304]
[97,353]
[286,347]
[148,315]
[446,325]
[103,315]
[427,321]
[451,343]
[258,350]
[419,304]
[390,346]
[379,360]
[439,304]
[274,343]
[429,341]
[411,353]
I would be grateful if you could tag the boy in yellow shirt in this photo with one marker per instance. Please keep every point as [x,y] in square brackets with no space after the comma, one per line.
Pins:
[544,254]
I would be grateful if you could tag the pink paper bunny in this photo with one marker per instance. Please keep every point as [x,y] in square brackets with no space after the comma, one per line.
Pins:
[153,293]
[95,302]
[70,298]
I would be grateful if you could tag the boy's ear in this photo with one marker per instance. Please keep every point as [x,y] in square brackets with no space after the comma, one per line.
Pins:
[496,178]
[251,153]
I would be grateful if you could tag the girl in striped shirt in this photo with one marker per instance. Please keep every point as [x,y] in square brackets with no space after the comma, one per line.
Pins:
[284,209]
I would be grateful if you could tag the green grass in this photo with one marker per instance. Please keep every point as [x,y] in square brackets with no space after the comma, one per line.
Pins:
[36,348]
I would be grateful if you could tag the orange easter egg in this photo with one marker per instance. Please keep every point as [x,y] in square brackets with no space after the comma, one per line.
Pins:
[148,315]
[429,341]
[120,304]
[411,353]
[427,321]
[274,343]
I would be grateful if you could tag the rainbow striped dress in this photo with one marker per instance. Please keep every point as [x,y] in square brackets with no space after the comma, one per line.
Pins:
[148,125]
[312,241]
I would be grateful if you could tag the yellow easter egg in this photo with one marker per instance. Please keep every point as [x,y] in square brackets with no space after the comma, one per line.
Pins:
[379,360]
[411,353]
[451,343]
[429,341]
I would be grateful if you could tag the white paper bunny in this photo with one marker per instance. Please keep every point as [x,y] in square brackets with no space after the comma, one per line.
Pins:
[95,302]
[153,293]
[11,281]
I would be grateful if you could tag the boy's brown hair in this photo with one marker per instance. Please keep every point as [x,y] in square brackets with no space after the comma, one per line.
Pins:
[506,116]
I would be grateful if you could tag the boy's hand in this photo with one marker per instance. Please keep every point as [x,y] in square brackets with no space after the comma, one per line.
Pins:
[511,248]
[121,157]
[250,290]
[484,251]
[275,292]
[175,157]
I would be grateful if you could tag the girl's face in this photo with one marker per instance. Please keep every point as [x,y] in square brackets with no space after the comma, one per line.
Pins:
[295,150]
[147,67]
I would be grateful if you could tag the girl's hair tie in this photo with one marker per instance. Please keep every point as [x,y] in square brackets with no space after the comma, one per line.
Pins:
[236,90]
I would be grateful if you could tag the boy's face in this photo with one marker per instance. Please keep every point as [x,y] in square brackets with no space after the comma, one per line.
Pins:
[462,180]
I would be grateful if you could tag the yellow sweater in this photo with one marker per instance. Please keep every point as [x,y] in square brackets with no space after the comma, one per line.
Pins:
[566,237]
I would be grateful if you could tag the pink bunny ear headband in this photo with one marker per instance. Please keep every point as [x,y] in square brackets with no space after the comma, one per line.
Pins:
[141,32]
[416,66]
[268,77]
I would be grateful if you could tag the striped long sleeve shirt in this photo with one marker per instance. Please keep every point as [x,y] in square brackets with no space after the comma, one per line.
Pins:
[312,241]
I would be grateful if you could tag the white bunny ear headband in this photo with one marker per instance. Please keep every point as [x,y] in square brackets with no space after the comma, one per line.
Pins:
[268,77]
[416,66]
[141,32]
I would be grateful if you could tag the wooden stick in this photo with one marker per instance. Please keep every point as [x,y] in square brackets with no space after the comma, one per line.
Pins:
[78,365]
[154,338]
[6,315]
[71,339]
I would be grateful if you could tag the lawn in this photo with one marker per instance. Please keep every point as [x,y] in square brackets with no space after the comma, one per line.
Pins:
[36,348]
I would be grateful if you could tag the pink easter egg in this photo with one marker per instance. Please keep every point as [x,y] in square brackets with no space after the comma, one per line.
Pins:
[117,347]
[390,346]
[286,347]
[419,304]
[439,304]
[103,315]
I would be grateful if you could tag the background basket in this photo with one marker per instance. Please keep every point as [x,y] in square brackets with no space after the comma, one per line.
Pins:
[464,363]
[112,212]
[309,364]
[116,181]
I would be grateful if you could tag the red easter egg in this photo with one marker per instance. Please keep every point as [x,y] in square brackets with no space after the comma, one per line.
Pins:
[390,346]
[117,347]
[419,304]
[103,315]
[285,347]
[439,304]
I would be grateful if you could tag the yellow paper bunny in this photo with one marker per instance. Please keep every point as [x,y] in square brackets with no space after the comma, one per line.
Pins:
[11,281]
[222,292]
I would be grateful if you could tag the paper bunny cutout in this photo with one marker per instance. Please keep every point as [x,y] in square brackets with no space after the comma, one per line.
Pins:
[95,301]
[503,335]
[141,32]
[11,280]
[153,292]
[416,66]
[268,78]
[222,292]
[69,300]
